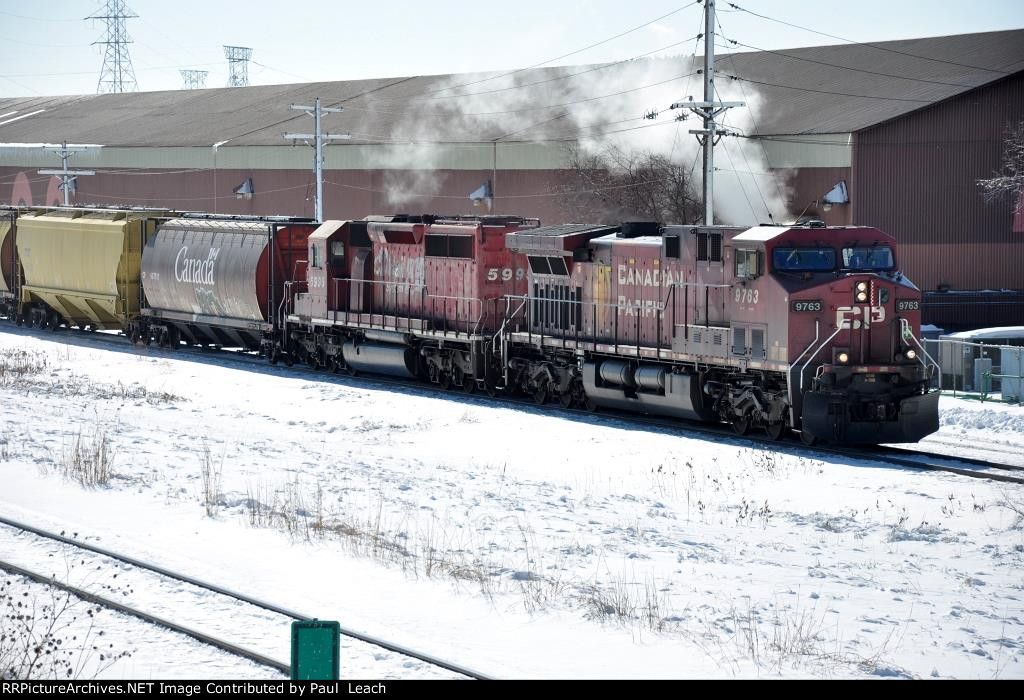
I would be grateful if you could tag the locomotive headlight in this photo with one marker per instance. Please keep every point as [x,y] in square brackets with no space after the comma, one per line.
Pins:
[843,358]
[862,287]
[910,354]
[862,296]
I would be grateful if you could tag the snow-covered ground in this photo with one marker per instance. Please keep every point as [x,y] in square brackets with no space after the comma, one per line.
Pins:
[518,541]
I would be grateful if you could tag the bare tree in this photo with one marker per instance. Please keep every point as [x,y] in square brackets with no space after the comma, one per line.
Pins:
[1008,184]
[616,185]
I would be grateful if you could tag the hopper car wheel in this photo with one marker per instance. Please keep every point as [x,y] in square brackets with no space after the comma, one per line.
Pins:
[807,438]
[775,430]
[741,424]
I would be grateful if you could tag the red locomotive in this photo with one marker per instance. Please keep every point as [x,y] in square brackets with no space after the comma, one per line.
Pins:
[802,327]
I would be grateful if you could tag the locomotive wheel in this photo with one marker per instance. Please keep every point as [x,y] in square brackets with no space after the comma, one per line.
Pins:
[444,380]
[289,361]
[272,358]
[469,384]
[588,403]
[566,400]
[541,395]
[807,438]
[335,365]
[741,424]
[776,430]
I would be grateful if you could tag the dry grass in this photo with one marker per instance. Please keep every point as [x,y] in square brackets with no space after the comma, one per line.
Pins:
[90,460]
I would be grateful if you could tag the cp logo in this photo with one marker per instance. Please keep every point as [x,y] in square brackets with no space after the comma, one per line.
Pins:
[849,317]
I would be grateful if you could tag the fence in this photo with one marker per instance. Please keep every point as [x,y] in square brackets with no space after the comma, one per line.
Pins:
[989,372]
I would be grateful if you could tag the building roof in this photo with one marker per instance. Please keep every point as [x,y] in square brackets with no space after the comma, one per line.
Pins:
[795,92]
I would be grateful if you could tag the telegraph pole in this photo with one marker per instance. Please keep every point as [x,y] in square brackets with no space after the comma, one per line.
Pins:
[67,177]
[708,110]
[318,138]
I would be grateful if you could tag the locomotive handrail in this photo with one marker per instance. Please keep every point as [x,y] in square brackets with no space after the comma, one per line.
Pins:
[820,347]
[909,332]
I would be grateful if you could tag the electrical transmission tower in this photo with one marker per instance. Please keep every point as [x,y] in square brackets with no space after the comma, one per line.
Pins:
[194,79]
[238,65]
[117,74]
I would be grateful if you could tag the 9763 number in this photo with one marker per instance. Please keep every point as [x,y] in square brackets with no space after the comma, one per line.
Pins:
[811,306]
[908,305]
[745,296]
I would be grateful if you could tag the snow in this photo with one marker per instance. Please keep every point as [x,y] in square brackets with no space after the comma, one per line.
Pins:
[982,333]
[520,542]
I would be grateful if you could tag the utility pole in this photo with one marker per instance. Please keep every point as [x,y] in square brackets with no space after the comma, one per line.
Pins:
[67,177]
[708,110]
[117,74]
[318,138]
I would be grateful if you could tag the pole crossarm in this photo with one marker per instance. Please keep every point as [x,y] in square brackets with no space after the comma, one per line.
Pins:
[319,139]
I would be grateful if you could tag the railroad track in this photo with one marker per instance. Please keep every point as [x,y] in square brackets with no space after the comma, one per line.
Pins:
[189,631]
[898,456]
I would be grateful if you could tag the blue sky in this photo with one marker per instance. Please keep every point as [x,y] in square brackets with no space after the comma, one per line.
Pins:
[46,46]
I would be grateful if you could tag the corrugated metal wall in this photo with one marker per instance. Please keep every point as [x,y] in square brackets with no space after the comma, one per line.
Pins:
[915,178]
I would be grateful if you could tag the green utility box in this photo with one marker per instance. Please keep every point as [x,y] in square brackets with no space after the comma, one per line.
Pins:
[316,650]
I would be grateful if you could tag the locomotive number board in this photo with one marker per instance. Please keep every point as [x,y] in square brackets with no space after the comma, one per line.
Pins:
[812,306]
[908,305]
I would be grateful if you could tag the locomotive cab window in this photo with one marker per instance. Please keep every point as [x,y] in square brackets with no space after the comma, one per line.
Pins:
[337,254]
[804,259]
[875,257]
[747,264]
[315,258]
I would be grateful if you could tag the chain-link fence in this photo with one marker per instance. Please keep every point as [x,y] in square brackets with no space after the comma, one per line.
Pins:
[989,372]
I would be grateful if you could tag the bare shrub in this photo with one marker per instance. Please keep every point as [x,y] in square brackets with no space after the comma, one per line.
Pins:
[50,634]
[1014,504]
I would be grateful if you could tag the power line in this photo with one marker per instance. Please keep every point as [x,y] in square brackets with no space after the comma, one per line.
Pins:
[38,19]
[558,58]
[841,67]
[826,92]
[862,43]
[753,121]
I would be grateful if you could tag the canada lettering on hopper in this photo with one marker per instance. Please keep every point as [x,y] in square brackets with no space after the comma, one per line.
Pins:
[196,270]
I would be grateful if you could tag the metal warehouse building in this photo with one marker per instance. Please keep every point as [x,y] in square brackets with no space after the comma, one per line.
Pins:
[908,127]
